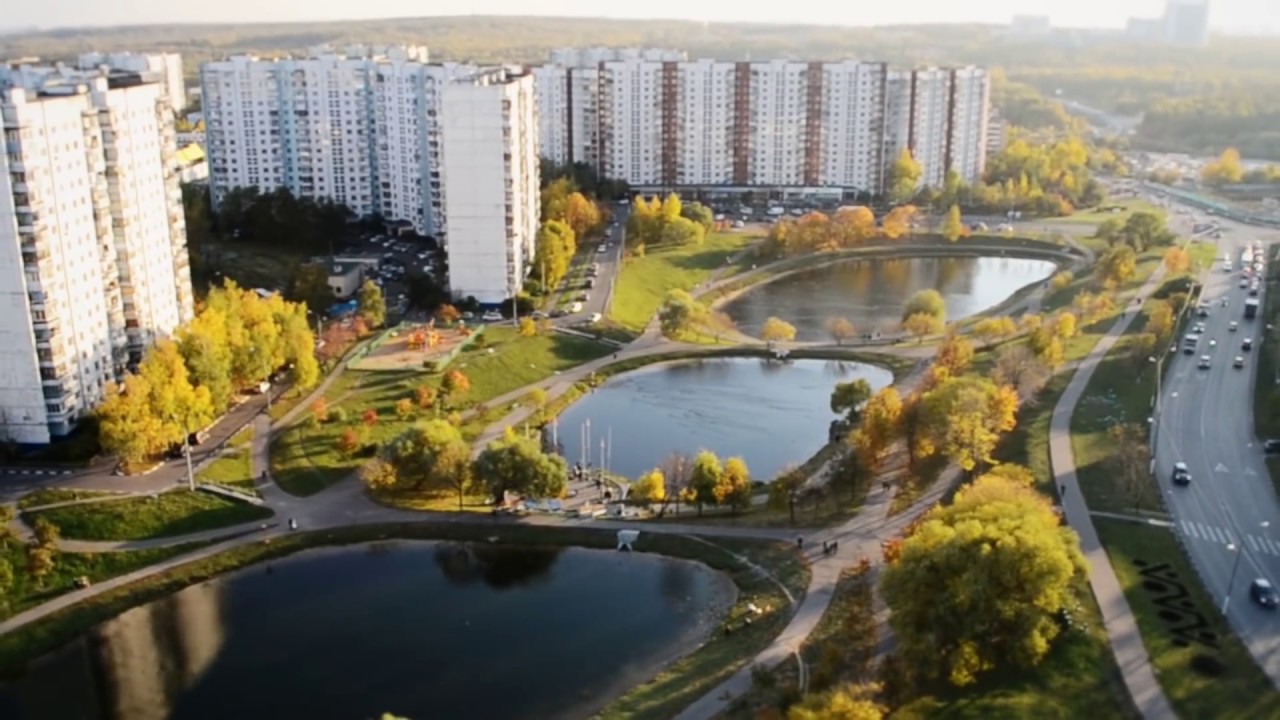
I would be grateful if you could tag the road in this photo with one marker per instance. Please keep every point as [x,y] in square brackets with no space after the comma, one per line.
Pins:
[1204,419]
[609,262]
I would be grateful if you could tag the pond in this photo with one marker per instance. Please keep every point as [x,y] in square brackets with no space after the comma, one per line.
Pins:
[417,629]
[871,293]
[769,413]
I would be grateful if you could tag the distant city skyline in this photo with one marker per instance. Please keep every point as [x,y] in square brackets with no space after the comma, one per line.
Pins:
[1252,16]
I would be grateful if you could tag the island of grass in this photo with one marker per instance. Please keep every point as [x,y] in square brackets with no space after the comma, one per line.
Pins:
[169,514]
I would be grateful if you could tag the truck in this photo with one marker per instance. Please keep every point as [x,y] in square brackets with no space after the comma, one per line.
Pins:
[1251,308]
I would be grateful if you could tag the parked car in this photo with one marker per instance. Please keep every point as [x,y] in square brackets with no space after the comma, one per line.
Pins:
[491,316]
[1271,447]
[1264,593]
[595,317]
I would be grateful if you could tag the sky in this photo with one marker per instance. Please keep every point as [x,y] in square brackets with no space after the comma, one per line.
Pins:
[1234,15]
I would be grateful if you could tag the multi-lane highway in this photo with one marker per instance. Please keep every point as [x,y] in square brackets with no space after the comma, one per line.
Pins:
[1204,418]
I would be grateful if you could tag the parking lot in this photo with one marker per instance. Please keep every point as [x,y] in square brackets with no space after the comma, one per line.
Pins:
[399,259]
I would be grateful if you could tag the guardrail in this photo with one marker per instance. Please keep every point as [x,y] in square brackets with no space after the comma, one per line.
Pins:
[232,493]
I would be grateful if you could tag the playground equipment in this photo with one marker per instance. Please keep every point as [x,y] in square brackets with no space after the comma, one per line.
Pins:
[423,339]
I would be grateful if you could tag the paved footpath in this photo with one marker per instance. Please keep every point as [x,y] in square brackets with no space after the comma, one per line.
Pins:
[1117,616]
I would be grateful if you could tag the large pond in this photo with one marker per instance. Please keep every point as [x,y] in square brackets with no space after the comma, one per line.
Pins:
[871,293]
[771,414]
[418,629]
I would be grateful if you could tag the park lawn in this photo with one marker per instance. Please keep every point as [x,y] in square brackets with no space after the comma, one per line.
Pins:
[169,514]
[1095,216]
[232,468]
[49,496]
[1241,691]
[643,282]
[26,593]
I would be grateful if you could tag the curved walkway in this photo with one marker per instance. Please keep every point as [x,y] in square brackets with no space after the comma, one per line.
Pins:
[1122,629]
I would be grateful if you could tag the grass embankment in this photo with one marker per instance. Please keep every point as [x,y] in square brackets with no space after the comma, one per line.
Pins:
[1227,684]
[1120,209]
[643,282]
[49,496]
[169,514]
[26,593]
[233,468]
[305,459]
[661,697]
[1266,387]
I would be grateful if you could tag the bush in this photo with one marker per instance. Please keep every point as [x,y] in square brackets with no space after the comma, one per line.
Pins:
[338,415]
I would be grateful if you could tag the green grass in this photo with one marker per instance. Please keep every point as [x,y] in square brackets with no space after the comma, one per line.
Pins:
[26,593]
[232,468]
[1094,216]
[49,496]
[1241,691]
[1266,389]
[643,282]
[167,515]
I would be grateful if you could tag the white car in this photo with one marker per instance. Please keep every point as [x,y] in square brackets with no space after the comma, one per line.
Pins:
[575,308]
[595,317]
[1204,362]
[491,316]
[1233,326]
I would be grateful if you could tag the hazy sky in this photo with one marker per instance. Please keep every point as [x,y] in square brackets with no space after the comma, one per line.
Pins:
[1234,14]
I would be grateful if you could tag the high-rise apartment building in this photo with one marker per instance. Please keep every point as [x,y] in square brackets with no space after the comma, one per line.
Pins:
[166,66]
[94,239]
[365,127]
[652,117]
[1186,22]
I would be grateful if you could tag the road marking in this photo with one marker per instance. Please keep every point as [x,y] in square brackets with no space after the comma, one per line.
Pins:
[1270,546]
[1249,471]
[1252,545]
[1220,468]
[1188,528]
[1221,536]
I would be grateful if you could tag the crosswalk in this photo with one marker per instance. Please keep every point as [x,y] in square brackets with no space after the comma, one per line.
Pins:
[1209,533]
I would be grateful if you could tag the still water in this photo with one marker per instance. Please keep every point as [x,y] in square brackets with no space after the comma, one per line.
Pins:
[419,629]
[871,293]
[771,414]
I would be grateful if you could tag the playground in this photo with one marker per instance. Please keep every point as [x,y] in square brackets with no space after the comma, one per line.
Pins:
[409,347]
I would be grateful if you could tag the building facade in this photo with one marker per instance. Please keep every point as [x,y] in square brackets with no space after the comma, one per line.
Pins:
[94,239]
[166,66]
[655,118]
[365,127]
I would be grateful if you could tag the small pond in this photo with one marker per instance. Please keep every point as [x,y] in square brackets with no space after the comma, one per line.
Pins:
[871,293]
[418,629]
[771,414]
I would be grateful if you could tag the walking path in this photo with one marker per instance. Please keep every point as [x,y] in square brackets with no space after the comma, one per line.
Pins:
[1122,629]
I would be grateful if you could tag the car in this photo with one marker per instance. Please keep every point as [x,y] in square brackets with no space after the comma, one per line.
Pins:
[575,308]
[1238,363]
[537,314]
[491,316]
[602,248]
[1181,475]
[558,313]
[1244,283]
[583,297]
[595,317]
[1226,267]
[1271,447]
[1262,592]
[591,283]
[1204,362]
[1246,344]
[1203,312]
[1233,326]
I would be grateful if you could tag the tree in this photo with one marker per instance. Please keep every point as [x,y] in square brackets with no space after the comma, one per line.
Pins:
[881,424]
[1160,319]
[1145,229]
[379,475]
[680,313]
[455,385]
[181,407]
[1176,261]
[1014,473]
[555,199]
[1130,464]
[785,491]
[922,324]
[681,231]
[6,579]
[369,417]
[903,177]
[996,557]
[1117,265]
[649,488]
[555,244]
[963,418]
[126,426]
[527,327]
[580,214]
[348,442]
[371,306]
[927,302]
[952,226]
[706,480]
[853,226]
[45,533]
[700,214]
[425,396]
[311,286]
[1225,170]
[954,354]
[847,397]
[447,314]
[404,409]
[1061,280]
[1018,367]
[515,464]
[994,329]
[671,208]
[777,330]
[847,702]
[897,222]
[204,348]
[40,562]
[431,456]
[1064,325]
[1111,230]
[735,480]
[840,329]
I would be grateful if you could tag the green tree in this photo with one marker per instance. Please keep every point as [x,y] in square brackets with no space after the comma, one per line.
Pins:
[922,324]
[515,464]
[1111,230]
[963,419]
[371,305]
[847,397]
[735,482]
[777,330]
[952,225]
[928,302]
[847,702]
[681,231]
[45,533]
[680,313]
[700,214]
[6,579]
[706,480]
[311,286]
[1144,230]
[994,329]
[431,456]
[996,557]
[904,177]
[648,488]
[785,491]
[1116,266]
[840,329]
[40,562]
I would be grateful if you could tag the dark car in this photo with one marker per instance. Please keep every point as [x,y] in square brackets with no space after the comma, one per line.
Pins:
[1271,447]
[1264,593]
[1181,475]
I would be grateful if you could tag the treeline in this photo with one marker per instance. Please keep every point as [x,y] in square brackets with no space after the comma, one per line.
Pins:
[236,341]
[1024,106]
[278,218]
[1249,122]
[1228,170]
[669,221]
[567,215]
[848,227]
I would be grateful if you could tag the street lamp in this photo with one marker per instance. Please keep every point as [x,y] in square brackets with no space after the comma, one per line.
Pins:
[1226,600]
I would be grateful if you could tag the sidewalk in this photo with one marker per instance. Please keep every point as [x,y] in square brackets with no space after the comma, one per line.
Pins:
[1122,630]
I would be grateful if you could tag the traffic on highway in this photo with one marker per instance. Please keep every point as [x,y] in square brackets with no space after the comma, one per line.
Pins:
[1210,464]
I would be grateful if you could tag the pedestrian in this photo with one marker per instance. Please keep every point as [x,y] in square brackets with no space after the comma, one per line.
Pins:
[1062,490]
[293,524]
[800,543]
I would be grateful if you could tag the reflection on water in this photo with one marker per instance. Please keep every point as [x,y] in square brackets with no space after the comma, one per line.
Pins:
[769,413]
[418,629]
[871,293]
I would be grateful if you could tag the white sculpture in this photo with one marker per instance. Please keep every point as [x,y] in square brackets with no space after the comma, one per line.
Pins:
[626,537]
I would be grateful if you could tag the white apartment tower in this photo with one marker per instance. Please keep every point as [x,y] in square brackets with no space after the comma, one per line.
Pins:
[363,127]
[167,67]
[491,189]
[654,118]
[92,230]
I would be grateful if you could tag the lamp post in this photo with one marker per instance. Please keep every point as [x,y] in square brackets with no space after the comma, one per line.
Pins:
[1154,420]
[1226,600]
